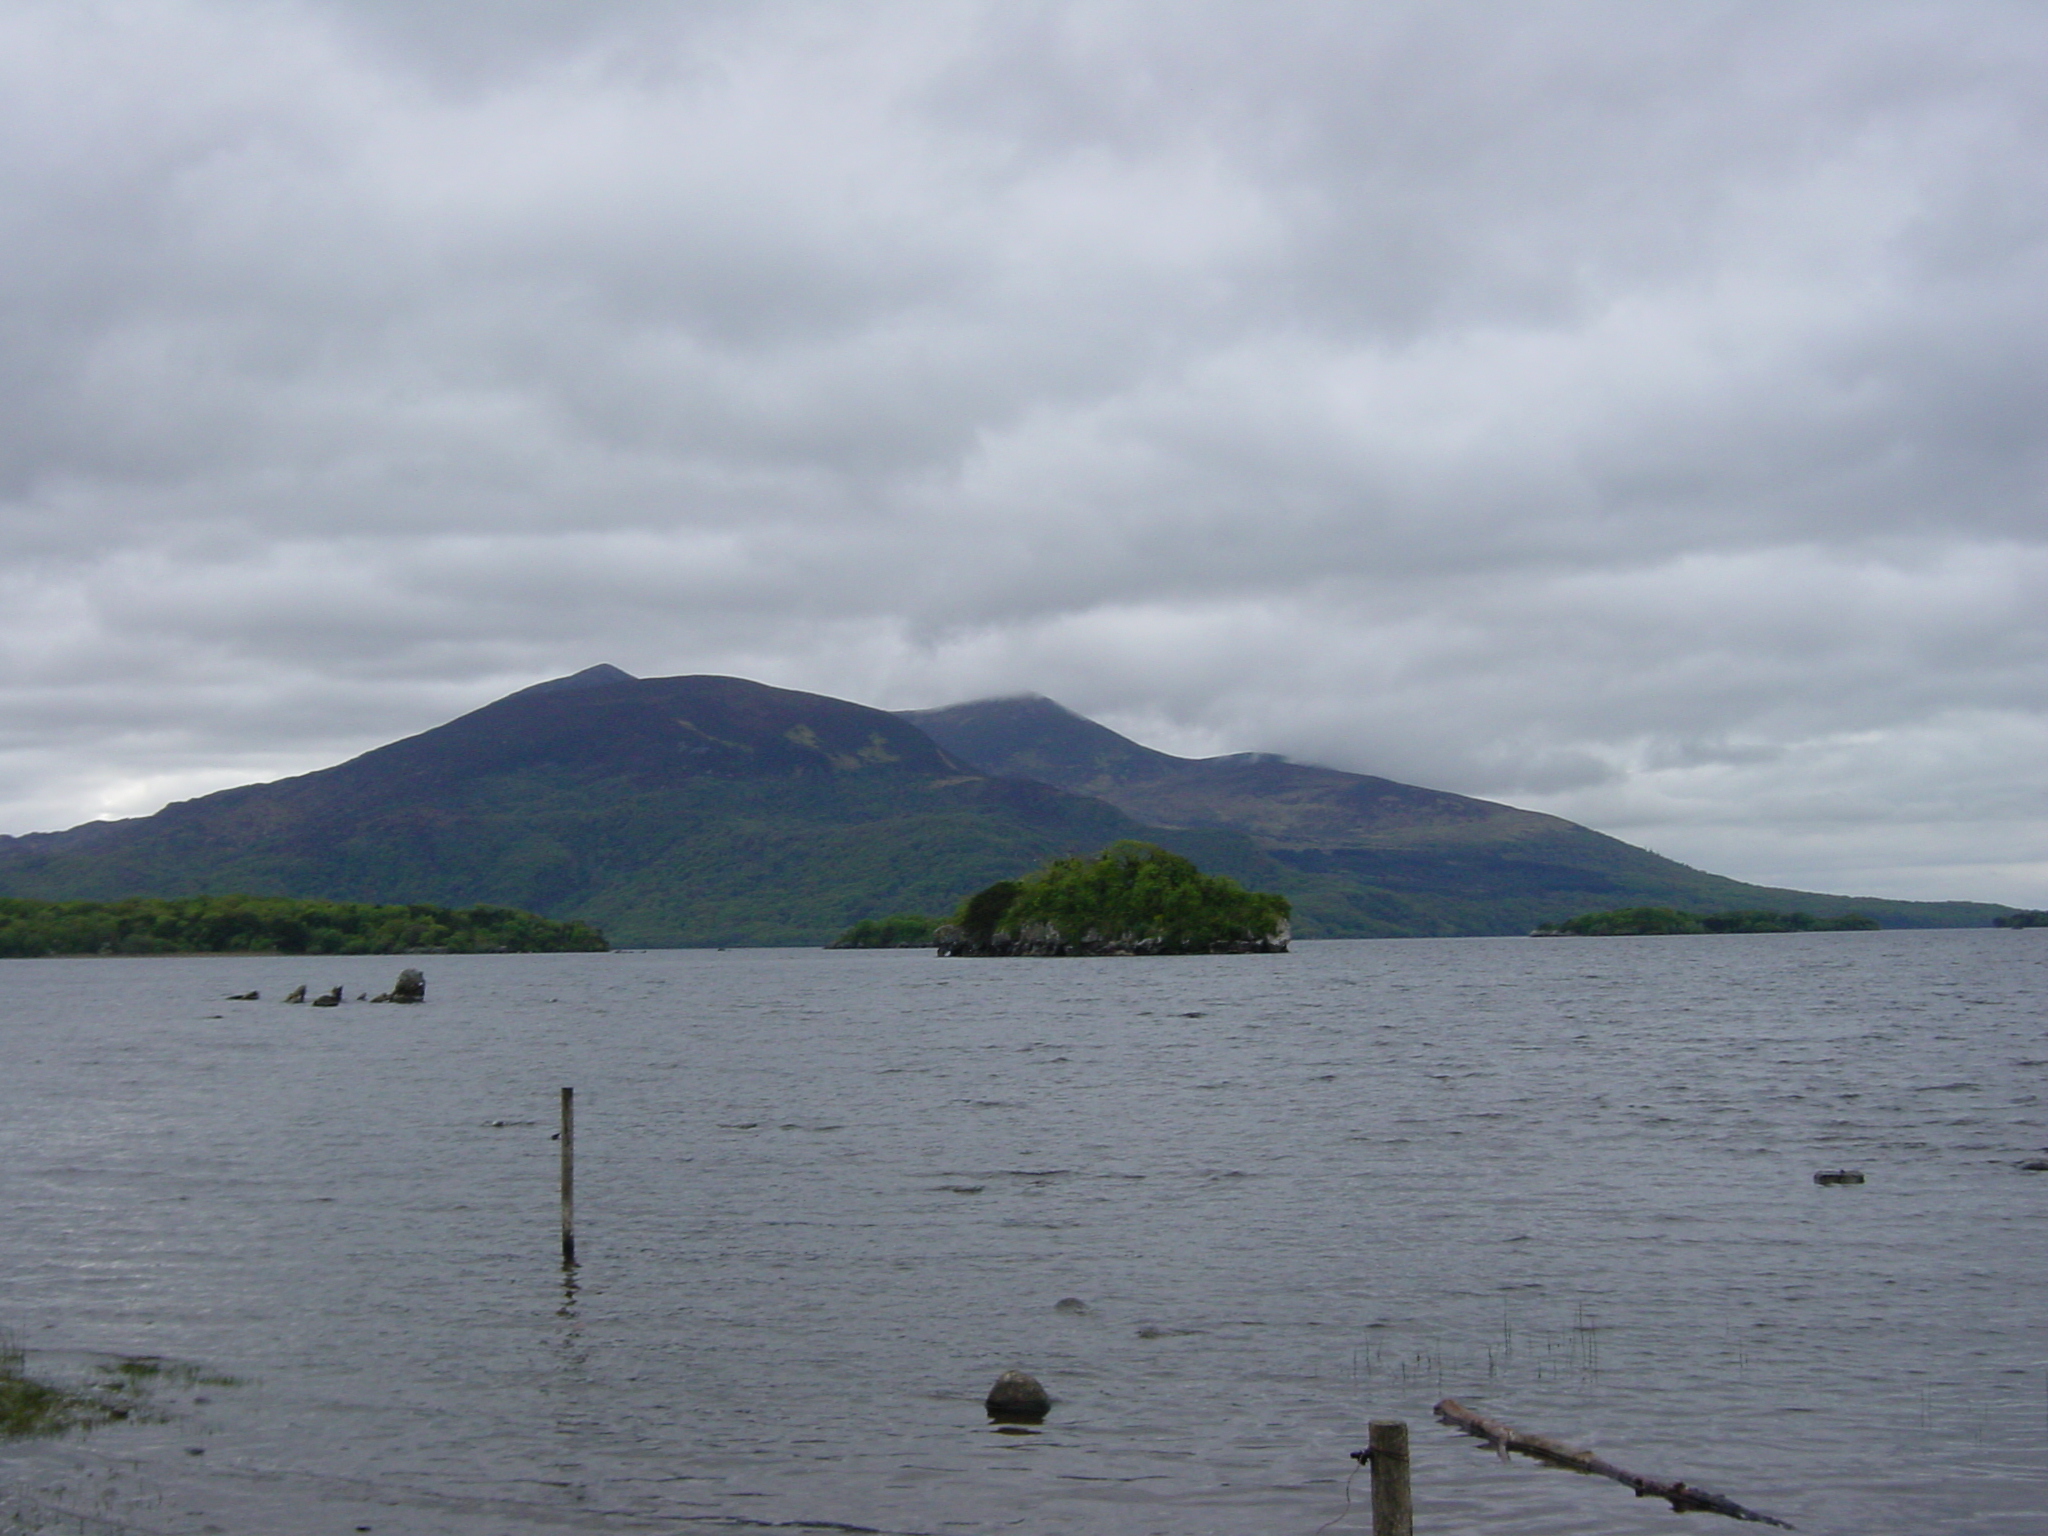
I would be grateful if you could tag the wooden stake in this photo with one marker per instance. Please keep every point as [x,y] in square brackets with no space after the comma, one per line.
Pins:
[568,1178]
[1393,1511]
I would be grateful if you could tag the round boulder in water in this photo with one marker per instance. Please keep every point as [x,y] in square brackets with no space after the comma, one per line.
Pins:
[1017,1398]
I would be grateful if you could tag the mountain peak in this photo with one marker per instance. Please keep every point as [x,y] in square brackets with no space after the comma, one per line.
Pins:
[590,677]
[1029,736]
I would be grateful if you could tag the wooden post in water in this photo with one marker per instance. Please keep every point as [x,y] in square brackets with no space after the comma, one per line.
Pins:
[1393,1512]
[568,1178]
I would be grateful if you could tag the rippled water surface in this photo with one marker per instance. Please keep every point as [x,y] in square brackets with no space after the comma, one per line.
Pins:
[824,1198]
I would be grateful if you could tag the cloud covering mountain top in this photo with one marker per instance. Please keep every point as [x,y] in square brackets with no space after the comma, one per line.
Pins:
[1628,412]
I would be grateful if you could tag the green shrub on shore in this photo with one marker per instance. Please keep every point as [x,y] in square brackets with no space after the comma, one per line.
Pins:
[187,925]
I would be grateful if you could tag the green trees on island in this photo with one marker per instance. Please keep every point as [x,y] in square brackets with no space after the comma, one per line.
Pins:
[2026,919]
[1131,899]
[1629,921]
[903,930]
[275,925]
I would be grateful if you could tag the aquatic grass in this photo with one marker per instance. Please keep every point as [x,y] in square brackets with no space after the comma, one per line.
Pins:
[32,1409]
[121,1389]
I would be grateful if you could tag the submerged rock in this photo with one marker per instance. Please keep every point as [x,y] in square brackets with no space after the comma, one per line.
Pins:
[1017,1398]
[296,995]
[331,998]
[1839,1176]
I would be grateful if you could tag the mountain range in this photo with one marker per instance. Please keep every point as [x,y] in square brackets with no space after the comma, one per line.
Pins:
[714,810]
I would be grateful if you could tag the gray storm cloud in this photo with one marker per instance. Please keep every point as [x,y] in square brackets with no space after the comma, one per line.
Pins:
[1634,412]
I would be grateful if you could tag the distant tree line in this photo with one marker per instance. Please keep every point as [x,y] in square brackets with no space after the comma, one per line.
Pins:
[2021,920]
[1626,921]
[187,925]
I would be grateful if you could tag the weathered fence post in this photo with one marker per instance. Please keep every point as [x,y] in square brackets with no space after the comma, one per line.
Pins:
[568,1178]
[1393,1513]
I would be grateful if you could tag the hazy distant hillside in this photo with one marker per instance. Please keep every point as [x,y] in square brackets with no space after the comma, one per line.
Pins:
[1367,854]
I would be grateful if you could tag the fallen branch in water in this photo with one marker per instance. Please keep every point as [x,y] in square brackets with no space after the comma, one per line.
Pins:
[1504,1439]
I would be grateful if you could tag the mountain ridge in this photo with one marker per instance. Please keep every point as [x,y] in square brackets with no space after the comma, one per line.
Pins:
[693,810]
[717,810]
[1460,864]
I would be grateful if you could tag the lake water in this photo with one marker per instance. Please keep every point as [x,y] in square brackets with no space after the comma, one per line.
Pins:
[824,1198]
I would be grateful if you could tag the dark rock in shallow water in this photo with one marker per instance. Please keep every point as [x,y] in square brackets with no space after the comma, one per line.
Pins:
[331,998]
[1073,1305]
[411,987]
[1017,1398]
[1839,1176]
[241,997]
[296,995]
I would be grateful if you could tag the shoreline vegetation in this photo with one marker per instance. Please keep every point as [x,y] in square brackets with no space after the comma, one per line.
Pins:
[1632,922]
[1133,898]
[277,925]
[901,930]
[2027,919]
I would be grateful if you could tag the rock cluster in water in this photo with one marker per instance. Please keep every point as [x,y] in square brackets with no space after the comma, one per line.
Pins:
[411,987]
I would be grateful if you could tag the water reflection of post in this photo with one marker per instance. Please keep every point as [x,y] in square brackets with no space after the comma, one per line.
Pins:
[569,1181]
[568,1307]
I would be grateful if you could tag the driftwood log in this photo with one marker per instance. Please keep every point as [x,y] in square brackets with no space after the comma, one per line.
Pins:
[1681,1496]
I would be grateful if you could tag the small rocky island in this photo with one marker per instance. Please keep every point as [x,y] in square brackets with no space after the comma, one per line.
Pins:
[1131,899]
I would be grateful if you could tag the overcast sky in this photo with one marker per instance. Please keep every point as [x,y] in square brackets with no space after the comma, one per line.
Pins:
[1633,411]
